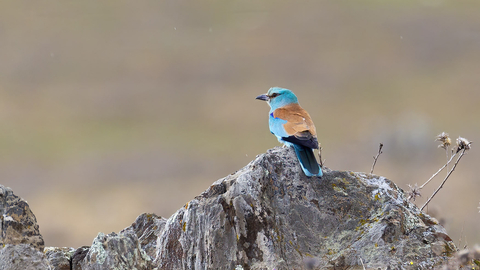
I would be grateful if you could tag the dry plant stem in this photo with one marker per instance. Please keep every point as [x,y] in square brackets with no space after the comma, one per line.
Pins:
[435,174]
[461,235]
[439,170]
[444,180]
[446,154]
[376,157]
[320,156]
[362,264]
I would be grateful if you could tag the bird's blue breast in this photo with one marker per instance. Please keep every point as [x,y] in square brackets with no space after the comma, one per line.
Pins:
[276,127]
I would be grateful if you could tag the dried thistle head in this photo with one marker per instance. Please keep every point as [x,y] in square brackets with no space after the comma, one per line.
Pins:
[462,144]
[414,192]
[445,139]
[466,256]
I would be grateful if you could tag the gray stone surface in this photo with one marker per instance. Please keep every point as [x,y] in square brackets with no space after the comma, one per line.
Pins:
[22,257]
[147,228]
[18,224]
[268,215]
[78,256]
[116,251]
[59,258]
[132,248]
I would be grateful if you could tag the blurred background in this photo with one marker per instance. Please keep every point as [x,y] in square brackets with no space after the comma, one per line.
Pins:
[109,109]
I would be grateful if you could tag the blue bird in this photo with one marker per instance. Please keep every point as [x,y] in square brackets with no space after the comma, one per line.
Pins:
[292,126]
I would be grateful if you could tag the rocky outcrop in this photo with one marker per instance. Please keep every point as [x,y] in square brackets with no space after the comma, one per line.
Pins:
[269,215]
[21,244]
[18,223]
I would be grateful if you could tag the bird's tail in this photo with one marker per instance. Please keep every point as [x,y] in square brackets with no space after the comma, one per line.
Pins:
[307,160]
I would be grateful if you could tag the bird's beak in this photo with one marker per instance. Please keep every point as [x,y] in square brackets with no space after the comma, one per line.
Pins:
[263,97]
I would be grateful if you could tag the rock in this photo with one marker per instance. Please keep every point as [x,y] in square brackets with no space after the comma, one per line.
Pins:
[22,257]
[115,251]
[269,215]
[133,248]
[18,223]
[59,258]
[78,256]
[21,244]
[147,227]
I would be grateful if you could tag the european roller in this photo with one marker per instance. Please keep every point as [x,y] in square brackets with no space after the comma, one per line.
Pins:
[292,126]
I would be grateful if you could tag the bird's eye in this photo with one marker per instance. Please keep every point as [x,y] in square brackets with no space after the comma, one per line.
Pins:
[274,95]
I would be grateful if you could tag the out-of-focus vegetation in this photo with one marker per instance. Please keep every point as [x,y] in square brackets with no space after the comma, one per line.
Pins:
[113,108]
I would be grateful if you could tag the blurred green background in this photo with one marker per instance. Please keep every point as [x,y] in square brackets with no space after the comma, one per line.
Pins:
[109,109]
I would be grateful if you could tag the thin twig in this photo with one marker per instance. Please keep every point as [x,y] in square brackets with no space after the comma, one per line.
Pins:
[444,180]
[446,154]
[417,189]
[320,156]
[439,170]
[376,157]
[362,264]
[461,235]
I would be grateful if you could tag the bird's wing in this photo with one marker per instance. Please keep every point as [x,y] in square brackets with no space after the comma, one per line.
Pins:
[298,120]
[299,126]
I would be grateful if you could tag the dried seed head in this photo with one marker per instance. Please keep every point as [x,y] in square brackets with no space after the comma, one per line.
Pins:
[462,144]
[467,255]
[445,139]
[414,192]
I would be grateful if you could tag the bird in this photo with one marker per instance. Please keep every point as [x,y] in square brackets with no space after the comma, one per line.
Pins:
[293,127]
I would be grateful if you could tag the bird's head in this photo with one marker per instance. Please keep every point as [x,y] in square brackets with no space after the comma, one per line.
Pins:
[278,97]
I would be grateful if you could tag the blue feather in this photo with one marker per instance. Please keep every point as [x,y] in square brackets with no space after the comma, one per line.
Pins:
[307,160]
